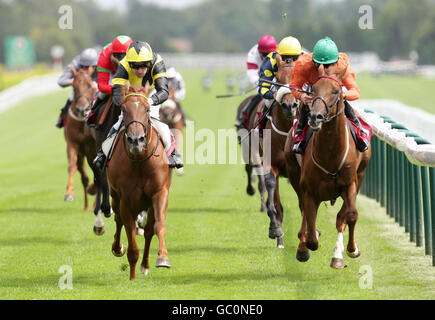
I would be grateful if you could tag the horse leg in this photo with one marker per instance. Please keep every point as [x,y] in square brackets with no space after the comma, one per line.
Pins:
[250,189]
[160,206]
[118,249]
[262,189]
[130,229]
[85,178]
[337,258]
[105,204]
[275,230]
[72,153]
[148,234]
[310,213]
[279,212]
[351,219]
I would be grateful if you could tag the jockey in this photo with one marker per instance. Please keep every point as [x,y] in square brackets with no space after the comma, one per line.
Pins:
[266,44]
[176,82]
[87,58]
[141,66]
[306,72]
[108,61]
[289,49]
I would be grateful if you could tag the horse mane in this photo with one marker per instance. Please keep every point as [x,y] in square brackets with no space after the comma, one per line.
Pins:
[127,88]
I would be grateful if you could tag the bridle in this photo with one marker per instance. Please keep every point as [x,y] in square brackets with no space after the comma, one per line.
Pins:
[77,97]
[333,175]
[146,127]
[337,102]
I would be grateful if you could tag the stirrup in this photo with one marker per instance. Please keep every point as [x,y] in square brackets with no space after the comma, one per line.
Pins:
[297,148]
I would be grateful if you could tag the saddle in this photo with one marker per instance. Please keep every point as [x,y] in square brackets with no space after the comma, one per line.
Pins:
[91,117]
[355,131]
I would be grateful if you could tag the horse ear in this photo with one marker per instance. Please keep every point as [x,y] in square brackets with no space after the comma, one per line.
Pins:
[91,70]
[279,60]
[321,70]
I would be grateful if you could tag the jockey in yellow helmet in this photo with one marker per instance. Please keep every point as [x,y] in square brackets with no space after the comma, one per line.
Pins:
[141,66]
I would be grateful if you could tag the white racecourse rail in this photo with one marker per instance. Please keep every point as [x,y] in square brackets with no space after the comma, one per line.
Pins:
[31,87]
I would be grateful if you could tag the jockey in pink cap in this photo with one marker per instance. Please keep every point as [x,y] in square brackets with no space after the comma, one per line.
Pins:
[265,45]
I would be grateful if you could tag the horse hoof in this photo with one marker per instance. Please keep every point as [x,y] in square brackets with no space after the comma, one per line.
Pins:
[69,197]
[99,230]
[337,263]
[163,262]
[144,270]
[120,253]
[280,243]
[275,233]
[180,171]
[91,190]
[354,254]
[250,190]
[139,231]
[106,210]
[302,256]
[313,246]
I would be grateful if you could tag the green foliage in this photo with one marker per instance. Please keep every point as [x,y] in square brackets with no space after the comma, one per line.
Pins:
[227,25]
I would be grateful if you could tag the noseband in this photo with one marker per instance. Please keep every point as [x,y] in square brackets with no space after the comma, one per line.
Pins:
[146,129]
[335,104]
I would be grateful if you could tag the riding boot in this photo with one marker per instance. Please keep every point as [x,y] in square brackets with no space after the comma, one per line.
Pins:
[303,120]
[62,117]
[91,114]
[175,160]
[363,143]
[246,111]
[100,159]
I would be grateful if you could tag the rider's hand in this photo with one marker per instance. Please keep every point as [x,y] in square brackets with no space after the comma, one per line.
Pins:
[306,98]
[150,102]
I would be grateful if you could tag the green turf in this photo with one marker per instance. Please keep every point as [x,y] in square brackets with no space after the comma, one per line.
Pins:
[216,236]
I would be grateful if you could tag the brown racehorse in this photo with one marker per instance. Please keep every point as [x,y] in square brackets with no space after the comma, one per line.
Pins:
[139,178]
[172,115]
[247,141]
[279,122]
[331,167]
[84,92]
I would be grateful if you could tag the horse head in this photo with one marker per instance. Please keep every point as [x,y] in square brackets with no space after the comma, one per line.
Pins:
[136,109]
[84,90]
[327,103]
[284,96]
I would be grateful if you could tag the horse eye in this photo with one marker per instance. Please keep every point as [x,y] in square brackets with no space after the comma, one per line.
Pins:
[335,91]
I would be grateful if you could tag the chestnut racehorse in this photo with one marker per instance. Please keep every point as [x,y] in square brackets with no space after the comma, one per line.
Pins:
[84,92]
[139,178]
[280,121]
[331,167]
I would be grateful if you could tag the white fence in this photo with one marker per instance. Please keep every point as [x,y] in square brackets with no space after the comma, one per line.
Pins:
[34,86]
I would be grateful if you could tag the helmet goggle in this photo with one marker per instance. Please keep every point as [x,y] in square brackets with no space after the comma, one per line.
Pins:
[119,55]
[289,59]
[82,66]
[142,64]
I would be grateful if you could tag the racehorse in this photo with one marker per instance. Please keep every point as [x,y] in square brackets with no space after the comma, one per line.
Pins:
[279,122]
[247,141]
[331,167]
[139,178]
[84,92]
[107,115]
[171,114]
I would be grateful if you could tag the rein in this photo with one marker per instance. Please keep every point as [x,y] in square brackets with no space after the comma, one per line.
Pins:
[146,129]
[335,104]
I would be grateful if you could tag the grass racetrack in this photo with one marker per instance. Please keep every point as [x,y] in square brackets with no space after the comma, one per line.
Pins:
[216,236]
